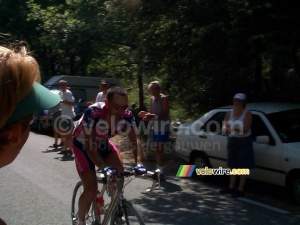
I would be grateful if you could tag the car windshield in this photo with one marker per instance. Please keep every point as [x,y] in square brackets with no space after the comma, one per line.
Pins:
[287,125]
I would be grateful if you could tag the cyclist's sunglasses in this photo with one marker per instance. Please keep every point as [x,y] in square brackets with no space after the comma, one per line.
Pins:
[120,107]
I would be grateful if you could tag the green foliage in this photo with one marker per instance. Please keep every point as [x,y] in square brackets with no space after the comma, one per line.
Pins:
[201,51]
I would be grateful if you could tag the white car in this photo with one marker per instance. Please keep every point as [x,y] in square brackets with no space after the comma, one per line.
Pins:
[276,141]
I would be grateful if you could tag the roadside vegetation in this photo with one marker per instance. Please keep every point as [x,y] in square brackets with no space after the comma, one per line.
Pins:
[201,51]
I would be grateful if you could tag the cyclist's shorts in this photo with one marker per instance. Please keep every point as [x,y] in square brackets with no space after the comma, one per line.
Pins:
[83,161]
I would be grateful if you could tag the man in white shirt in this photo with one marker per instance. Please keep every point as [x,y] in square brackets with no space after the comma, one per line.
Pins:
[67,114]
[102,95]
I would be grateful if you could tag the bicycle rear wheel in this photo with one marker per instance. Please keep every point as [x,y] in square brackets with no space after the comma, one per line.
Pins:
[90,217]
[127,214]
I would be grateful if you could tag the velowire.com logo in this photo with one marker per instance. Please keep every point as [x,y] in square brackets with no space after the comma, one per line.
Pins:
[187,171]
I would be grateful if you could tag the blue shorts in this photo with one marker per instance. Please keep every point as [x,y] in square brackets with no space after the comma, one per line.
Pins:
[240,152]
[160,137]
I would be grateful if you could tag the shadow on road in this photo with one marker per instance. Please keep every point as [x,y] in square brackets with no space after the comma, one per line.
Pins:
[50,150]
[193,203]
[65,158]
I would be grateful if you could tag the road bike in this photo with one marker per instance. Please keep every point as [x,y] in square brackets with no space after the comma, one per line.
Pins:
[117,210]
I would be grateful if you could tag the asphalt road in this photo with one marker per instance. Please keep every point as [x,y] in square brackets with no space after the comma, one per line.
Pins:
[37,189]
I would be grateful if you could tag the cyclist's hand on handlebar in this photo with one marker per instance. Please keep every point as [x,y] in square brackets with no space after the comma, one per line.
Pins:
[139,169]
[110,170]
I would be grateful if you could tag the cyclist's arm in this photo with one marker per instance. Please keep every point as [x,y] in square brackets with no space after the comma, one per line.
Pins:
[136,145]
[91,149]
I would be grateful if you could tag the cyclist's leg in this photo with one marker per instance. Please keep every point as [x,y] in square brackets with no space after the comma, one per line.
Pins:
[89,182]
[86,171]
[114,158]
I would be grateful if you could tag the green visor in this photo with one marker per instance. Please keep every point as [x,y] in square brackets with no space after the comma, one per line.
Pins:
[38,99]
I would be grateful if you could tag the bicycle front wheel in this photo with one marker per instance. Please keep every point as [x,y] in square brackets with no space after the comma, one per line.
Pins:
[90,217]
[127,214]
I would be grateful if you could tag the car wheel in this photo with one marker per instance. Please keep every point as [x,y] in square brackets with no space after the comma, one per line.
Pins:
[296,190]
[201,161]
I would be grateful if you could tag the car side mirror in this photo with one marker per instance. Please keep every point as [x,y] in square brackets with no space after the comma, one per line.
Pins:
[201,127]
[262,139]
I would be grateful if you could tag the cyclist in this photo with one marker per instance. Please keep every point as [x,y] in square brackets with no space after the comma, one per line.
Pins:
[92,145]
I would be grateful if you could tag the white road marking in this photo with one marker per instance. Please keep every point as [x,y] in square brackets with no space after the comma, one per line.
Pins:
[263,205]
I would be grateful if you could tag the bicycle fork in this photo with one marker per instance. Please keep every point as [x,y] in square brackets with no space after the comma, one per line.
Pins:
[113,206]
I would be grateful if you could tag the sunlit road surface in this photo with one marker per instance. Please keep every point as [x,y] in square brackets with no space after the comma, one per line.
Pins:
[37,189]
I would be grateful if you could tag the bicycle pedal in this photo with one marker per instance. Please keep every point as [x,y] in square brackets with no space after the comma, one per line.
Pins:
[123,221]
[95,223]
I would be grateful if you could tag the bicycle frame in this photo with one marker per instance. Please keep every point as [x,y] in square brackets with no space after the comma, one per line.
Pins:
[116,196]
[116,192]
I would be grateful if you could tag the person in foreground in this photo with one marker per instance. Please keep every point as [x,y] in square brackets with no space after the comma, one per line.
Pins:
[22,96]
[92,145]
[237,124]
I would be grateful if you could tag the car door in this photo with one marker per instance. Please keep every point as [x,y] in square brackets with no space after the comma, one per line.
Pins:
[267,156]
[214,141]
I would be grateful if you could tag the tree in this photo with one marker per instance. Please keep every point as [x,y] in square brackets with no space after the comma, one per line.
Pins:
[202,51]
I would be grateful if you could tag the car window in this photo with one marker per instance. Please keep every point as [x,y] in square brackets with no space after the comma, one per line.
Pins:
[214,124]
[287,125]
[259,128]
[79,94]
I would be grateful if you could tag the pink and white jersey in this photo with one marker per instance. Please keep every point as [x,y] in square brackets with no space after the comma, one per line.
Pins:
[94,119]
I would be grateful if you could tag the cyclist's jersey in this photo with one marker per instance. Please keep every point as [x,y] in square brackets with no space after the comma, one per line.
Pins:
[94,119]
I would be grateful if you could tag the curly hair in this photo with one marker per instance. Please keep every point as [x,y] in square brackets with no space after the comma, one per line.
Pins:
[18,71]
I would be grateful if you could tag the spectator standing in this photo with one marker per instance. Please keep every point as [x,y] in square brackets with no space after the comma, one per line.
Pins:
[22,96]
[56,113]
[102,94]
[134,111]
[67,114]
[159,119]
[237,124]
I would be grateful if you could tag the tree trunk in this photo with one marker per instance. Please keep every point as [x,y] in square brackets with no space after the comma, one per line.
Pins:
[141,90]
[72,64]
[297,64]
[257,77]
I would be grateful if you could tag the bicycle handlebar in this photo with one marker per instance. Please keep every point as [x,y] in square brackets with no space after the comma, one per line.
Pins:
[138,171]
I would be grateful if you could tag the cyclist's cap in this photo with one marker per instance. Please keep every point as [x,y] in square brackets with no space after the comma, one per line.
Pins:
[240,96]
[38,99]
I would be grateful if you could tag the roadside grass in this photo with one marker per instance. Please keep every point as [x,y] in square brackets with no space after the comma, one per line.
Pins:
[171,160]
